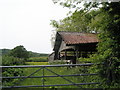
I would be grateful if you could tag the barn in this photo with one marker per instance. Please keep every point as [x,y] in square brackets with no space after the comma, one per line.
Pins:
[72,45]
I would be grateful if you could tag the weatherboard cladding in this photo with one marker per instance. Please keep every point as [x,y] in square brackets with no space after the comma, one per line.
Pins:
[78,38]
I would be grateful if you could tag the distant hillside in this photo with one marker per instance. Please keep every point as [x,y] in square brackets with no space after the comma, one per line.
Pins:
[32,54]
[4,51]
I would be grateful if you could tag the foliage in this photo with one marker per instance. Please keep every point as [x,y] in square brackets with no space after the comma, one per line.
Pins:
[77,22]
[78,19]
[101,70]
[19,52]
[109,47]
[10,60]
[9,72]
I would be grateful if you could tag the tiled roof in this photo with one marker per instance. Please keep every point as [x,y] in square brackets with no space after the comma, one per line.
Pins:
[78,38]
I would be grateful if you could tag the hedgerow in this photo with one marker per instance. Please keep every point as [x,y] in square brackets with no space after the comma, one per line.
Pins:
[11,72]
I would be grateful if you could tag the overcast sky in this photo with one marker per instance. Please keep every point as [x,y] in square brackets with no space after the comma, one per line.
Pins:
[27,23]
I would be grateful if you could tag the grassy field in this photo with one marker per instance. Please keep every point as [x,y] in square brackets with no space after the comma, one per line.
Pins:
[52,80]
[37,63]
[38,59]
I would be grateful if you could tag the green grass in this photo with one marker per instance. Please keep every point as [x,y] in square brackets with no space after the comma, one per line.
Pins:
[38,59]
[37,63]
[52,80]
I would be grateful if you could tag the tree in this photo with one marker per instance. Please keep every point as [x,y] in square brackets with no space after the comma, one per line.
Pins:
[19,52]
[77,22]
[110,46]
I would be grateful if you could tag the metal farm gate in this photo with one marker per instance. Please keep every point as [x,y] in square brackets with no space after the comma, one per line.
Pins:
[42,68]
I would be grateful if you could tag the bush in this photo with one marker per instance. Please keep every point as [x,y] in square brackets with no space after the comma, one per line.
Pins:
[101,70]
[10,72]
[10,60]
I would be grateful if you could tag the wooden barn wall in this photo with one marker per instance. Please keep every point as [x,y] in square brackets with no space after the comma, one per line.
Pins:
[63,46]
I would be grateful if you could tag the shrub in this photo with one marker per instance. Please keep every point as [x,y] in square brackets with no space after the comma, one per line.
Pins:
[10,72]
[101,69]
[10,60]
